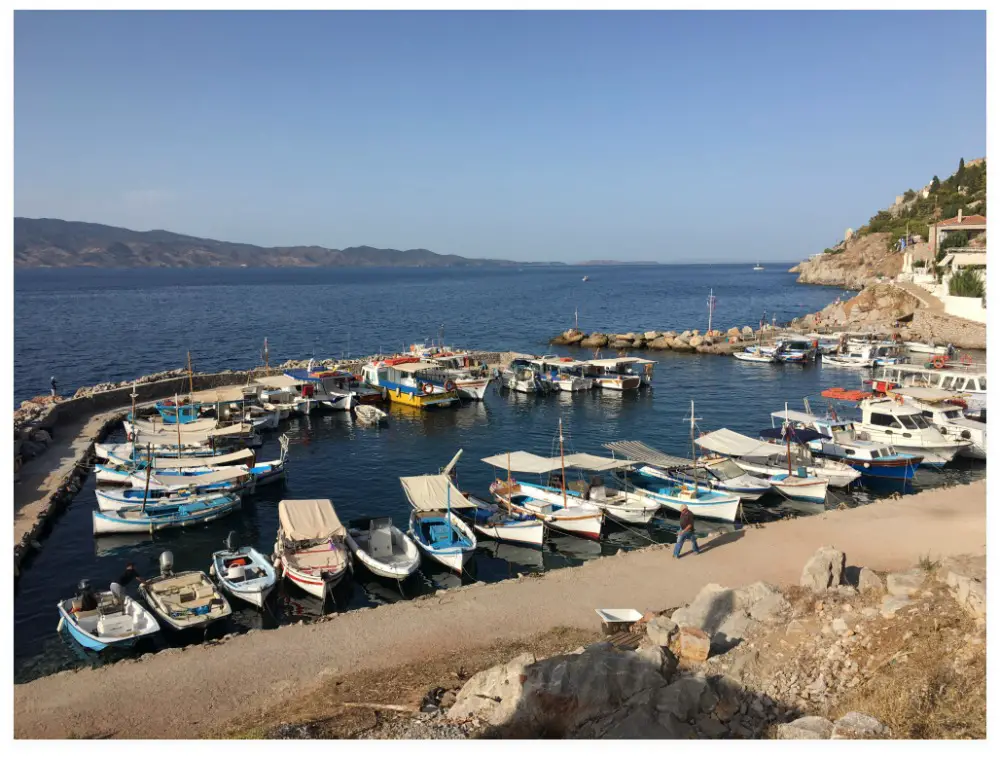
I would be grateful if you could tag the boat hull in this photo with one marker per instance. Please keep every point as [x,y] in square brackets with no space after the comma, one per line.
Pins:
[398,570]
[800,490]
[253,591]
[472,389]
[453,556]
[97,642]
[128,521]
[715,507]
[618,383]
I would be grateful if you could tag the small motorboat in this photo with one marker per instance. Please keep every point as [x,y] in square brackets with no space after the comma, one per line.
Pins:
[164,514]
[500,524]
[370,415]
[185,600]
[754,355]
[310,550]
[382,548]
[243,572]
[922,348]
[117,621]
[437,531]
[800,486]
[586,278]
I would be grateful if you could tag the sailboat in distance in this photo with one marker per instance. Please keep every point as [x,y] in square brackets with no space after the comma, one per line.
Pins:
[758,267]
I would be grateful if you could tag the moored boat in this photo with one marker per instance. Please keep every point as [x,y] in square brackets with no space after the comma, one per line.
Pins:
[243,572]
[116,621]
[437,530]
[165,514]
[183,601]
[496,522]
[382,548]
[409,381]
[310,548]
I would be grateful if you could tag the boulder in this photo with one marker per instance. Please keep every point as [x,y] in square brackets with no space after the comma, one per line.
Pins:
[734,333]
[710,728]
[770,608]
[41,436]
[694,644]
[661,630]
[670,334]
[857,725]
[660,343]
[639,342]
[824,569]
[595,340]
[680,344]
[728,692]
[696,341]
[649,336]
[683,698]
[808,727]
[746,331]
[660,657]
[621,344]
[685,335]
[905,584]
[868,580]
[891,605]
[564,695]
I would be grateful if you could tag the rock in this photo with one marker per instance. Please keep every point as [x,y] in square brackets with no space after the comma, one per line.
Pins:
[661,630]
[892,605]
[868,580]
[795,627]
[839,625]
[621,344]
[660,343]
[638,724]
[492,694]
[694,644]
[649,336]
[639,342]
[857,725]
[710,728]
[770,608]
[869,613]
[595,340]
[808,727]
[734,333]
[41,436]
[682,698]
[824,569]
[680,344]
[696,341]
[661,658]
[685,335]
[728,692]
[747,331]
[905,584]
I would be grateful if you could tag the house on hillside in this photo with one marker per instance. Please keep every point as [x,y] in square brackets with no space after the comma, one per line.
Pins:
[939,231]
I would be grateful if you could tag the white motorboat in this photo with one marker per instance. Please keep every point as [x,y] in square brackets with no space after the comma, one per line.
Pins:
[755,355]
[243,572]
[940,410]
[471,381]
[309,550]
[800,488]
[496,522]
[922,348]
[183,601]
[383,549]
[521,376]
[969,381]
[565,373]
[889,421]
[858,357]
[117,620]
[621,374]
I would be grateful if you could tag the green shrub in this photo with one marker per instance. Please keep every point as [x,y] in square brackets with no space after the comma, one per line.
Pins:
[966,283]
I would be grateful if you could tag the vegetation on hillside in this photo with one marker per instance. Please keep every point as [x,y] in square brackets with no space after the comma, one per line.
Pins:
[966,283]
[964,190]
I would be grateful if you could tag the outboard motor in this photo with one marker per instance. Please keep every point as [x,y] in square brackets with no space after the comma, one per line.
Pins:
[84,586]
[231,542]
[167,562]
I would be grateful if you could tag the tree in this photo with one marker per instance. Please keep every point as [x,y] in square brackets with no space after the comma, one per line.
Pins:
[935,184]
[960,173]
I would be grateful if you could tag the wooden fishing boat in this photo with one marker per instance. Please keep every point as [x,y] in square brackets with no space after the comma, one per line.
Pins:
[702,501]
[309,549]
[438,532]
[754,355]
[382,548]
[565,373]
[496,522]
[117,621]
[523,377]
[165,514]
[617,374]
[409,381]
[243,572]
[471,380]
[184,601]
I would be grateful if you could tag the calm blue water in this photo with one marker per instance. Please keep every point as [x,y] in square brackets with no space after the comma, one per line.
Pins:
[92,326]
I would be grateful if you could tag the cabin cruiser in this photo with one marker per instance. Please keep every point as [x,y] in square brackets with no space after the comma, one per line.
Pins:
[412,382]
[309,390]
[969,382]
[890,421]
[565,374]
[842,442]
[795,350]
[521,375]
[940,411]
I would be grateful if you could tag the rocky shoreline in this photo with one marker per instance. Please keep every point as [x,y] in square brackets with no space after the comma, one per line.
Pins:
[710,342]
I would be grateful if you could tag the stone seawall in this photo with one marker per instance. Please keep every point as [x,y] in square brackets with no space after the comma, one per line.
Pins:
[710,342]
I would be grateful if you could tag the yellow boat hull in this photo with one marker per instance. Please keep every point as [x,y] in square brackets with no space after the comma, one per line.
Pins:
[421,400]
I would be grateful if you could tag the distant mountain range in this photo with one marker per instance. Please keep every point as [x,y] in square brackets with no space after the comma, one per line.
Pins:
[52,243]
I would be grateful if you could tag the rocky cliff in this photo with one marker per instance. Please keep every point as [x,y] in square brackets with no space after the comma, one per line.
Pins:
[852,265]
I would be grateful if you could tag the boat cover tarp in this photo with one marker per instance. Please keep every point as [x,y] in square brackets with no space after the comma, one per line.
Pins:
[278,382]
[797,435]
[309,519]
[726,442]
[414,367]
[197,462]
[796,415]
[526,462]
[170,436]
[646,454]
[430,492]
[611,362]
[201,479]
[213,396]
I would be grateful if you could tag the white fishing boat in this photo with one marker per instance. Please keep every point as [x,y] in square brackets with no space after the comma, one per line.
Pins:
[155,425]
[621,374]
[968,380]
[129,457]
[309,550]
[800,488]
[164,514]
[903,426]
[383,549]
[437,530]
[566,374]
[858,357]
[370,415]
[183,601]
[496,522]
[755,355]
[940,410]
[922,348]
[471,380]
[521,376]
[117,620]
[243,572]
[758,267]
[232,478]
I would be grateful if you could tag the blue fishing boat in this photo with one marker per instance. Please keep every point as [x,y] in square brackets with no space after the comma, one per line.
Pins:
[116,621]
[165,514]
[437,531]
[178,411]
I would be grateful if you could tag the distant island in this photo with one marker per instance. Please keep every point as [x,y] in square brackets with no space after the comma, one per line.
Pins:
[53,243]
[618,262]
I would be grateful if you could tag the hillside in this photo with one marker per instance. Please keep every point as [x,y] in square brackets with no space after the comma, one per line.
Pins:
[52,243]
[870,252]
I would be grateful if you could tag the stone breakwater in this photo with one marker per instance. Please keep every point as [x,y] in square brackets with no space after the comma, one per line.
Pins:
[814,661]
[710,342]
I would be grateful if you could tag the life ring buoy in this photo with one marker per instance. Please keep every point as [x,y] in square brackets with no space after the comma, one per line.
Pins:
[449,385]
[427,388]
[131,436]
[966,359]
[938,362]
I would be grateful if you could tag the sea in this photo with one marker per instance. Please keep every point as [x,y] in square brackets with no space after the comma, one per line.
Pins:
[90,326]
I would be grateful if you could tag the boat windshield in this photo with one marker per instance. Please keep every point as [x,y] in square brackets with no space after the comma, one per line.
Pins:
[725,469]
[909,421]
[953,414]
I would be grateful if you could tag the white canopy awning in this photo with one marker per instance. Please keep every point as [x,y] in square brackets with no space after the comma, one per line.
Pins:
[585,461]
[309,519]
[431,492]
[925,394]
[797,416]
[170,480]
[414,367]
[726,442]
[522,462]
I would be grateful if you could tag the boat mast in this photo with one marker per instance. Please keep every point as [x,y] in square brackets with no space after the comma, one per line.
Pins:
[694,458]
[562,462]
[267,358]
[190,375]
[177,409]
[149,471]
[788,440]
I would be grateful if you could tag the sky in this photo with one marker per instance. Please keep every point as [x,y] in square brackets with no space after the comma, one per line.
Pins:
[663,136]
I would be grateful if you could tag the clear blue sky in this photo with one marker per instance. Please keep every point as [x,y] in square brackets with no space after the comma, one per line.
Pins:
[536,136]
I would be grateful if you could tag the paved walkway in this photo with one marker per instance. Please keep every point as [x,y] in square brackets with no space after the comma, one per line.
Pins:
[196,691]
[927,299]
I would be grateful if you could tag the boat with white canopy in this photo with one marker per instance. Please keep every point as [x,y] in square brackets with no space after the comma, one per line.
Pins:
[471,380]
[565,373]
[891,421]
[966,380]
[438,531]
[310,548]
[622,373]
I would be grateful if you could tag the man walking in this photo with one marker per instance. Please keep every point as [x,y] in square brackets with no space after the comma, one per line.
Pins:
[686,532]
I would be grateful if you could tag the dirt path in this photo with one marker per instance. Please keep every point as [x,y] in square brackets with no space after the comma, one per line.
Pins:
[927,299]
[42,475]
[180,694]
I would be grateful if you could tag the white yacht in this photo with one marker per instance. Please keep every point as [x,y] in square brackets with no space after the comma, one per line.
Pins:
[890,421]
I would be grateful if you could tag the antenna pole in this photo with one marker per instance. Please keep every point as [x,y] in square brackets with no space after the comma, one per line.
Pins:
[562,462]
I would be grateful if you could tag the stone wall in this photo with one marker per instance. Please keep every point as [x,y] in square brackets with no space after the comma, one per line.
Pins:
[946,329]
